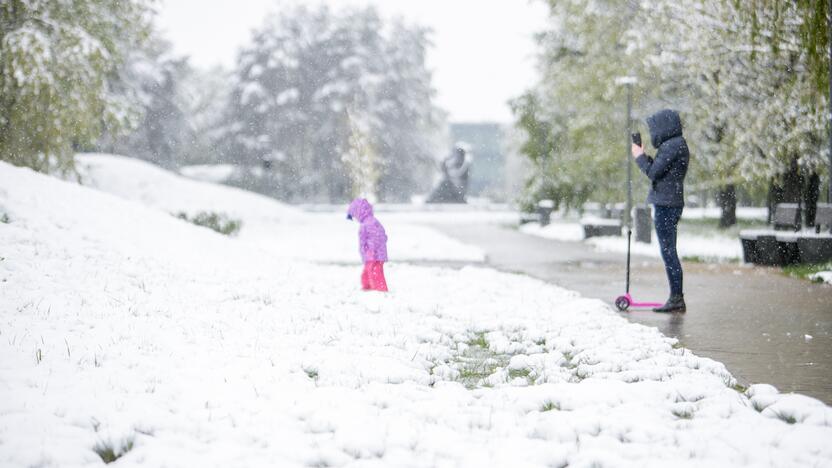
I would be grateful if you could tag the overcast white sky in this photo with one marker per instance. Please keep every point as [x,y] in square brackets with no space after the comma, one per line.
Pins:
[482,57]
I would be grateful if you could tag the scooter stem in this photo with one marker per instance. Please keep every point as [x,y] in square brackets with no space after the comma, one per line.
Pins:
[629,236]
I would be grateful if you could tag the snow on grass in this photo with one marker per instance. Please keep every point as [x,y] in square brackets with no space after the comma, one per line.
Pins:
[283,230]
[125,332]
[751,213]
[822,277]
[690,246]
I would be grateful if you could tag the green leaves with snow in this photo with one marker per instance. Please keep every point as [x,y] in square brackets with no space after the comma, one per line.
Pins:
[57,64]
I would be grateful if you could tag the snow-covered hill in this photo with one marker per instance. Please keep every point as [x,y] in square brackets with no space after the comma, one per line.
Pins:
[138,180]
[123,327]
[283,230]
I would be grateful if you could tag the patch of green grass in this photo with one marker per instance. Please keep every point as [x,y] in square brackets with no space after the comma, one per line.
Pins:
[215,221]
[476,371]
[682,413]
[478,341]
[522,373]
[110,452]
[740,387]
[568,364]
[550,406]
[803,271]
[786,418]
[312,373]
[472,371]
[478,362]
[759,407]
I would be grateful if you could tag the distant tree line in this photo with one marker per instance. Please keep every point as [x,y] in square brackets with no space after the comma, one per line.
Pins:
[750,77]
[322,104]
[311,79]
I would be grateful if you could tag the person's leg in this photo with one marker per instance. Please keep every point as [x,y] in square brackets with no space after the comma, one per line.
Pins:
[666,221]
[365,277]
[377,280]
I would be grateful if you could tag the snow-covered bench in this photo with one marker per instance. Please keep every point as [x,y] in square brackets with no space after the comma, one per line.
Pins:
[784,247]
[597,227]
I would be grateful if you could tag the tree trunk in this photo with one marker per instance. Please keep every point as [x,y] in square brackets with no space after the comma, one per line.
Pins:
[793,184]
[775,196]
[727,199]
[811,197]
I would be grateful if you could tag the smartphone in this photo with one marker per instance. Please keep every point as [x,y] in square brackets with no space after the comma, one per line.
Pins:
[637,138]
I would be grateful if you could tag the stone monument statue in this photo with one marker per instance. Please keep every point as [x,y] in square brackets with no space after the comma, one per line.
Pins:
[453,186]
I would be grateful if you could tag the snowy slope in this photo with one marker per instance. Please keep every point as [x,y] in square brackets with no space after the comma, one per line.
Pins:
[141,181]
[283,230]
[121,323]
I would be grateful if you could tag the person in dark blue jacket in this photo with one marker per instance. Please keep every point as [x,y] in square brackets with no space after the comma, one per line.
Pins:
[667,173]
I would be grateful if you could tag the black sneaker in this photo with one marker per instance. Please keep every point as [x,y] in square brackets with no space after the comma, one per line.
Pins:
[676,304]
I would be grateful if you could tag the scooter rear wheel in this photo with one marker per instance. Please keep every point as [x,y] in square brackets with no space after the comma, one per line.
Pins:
[622,303]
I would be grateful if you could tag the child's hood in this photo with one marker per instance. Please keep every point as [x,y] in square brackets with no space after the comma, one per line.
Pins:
[360,209]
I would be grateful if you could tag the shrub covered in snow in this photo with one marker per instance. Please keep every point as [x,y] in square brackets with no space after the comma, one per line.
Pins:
[215,221]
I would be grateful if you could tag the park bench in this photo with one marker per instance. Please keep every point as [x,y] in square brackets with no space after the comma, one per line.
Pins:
[786,244]
[816,247]
[597,227]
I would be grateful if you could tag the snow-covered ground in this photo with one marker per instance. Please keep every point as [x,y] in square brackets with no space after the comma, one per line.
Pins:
[124,327]
[743,212]
[714,247]
[283,230]
[216,173]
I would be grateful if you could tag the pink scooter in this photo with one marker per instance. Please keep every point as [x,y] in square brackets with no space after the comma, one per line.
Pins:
[626,301]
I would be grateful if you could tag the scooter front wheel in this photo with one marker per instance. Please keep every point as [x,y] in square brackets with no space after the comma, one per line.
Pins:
[622,303]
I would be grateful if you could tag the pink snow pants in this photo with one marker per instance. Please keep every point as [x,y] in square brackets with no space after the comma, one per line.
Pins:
[372,278]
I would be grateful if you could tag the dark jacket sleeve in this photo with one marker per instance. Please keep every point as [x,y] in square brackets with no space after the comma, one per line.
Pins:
[655,169]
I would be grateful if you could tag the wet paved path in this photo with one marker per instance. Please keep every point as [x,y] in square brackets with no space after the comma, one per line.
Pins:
[755,320]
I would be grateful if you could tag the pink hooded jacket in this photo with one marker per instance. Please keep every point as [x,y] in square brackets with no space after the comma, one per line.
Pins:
[372,240]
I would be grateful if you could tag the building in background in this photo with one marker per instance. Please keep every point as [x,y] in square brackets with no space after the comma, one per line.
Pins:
[488,167]
[498,171]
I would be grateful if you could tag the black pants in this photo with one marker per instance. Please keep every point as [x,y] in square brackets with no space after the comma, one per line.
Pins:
[666,219]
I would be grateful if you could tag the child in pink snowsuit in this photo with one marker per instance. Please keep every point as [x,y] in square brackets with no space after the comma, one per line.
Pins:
[372,244]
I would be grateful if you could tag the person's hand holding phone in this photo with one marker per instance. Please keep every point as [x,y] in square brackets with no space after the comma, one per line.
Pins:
[637,149]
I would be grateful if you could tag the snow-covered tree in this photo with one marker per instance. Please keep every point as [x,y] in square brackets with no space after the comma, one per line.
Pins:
[406,120]
[691,47]
[749,74]
[205,94]
[305,69]
[575,116]
[163,132]
[361,161]
[750,78]
[57,64]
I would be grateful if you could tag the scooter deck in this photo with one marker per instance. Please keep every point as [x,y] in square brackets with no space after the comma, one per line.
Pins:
[626,302]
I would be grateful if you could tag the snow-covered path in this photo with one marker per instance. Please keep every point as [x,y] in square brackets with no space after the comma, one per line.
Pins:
[124,327]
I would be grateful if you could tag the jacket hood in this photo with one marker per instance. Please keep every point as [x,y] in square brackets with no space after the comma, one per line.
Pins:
[664,125]
[360,209]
